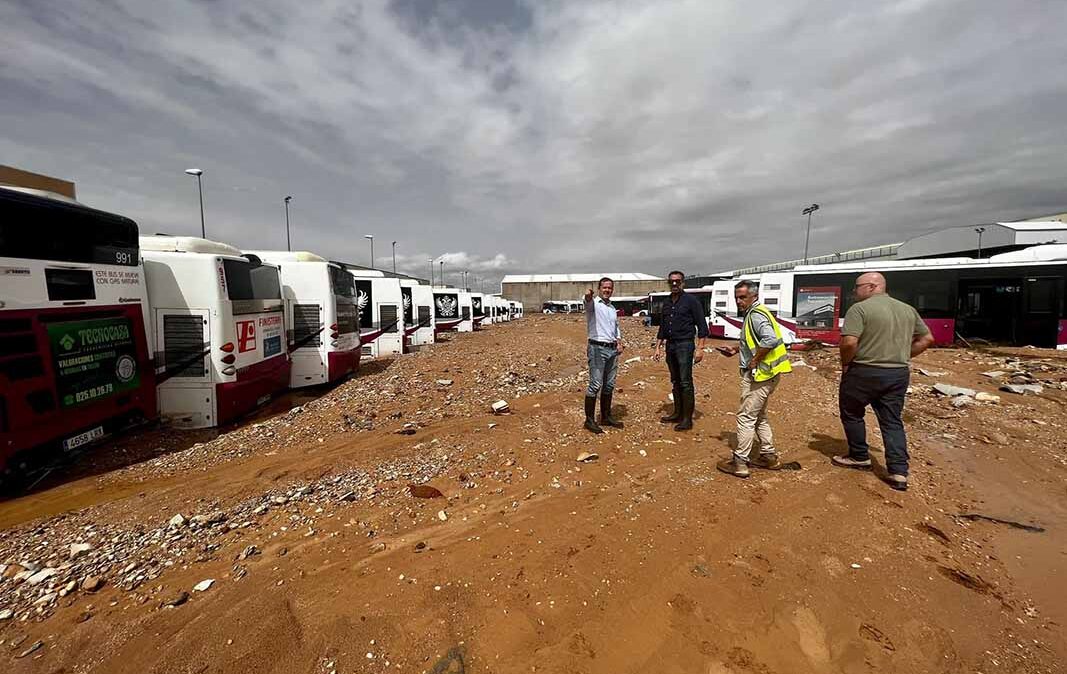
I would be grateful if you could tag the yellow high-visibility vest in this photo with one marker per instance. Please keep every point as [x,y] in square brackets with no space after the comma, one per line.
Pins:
[777,359]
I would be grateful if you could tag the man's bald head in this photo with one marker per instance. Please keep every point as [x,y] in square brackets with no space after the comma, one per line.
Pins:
[869,284]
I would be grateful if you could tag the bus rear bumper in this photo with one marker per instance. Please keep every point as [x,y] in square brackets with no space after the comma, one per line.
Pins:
[254,386]
[340,364]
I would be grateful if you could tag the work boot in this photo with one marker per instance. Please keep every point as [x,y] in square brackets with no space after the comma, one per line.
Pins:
[688,403]
[898,482]
[675,416]
[590,415]
[605,412]
[733,466]
[847,461]
[767,462]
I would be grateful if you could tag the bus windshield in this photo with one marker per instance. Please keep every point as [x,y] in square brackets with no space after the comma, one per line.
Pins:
[34,228]
[248,281]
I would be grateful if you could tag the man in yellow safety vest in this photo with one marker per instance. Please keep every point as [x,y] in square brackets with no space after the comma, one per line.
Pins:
[763,357]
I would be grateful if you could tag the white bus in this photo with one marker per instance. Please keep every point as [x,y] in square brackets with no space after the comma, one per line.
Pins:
[466,312]
[75,357]
[776,293]
[219,324]
[478,315]
[418,313]
[381,315]
[321,316]
[446,313]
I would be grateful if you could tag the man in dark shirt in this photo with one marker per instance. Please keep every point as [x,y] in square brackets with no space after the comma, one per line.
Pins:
[682,320]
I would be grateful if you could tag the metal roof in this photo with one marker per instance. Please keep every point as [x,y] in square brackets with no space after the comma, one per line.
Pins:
[579,278]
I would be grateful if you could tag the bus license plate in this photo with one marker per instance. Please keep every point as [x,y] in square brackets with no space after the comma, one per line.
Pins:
[83,438]
[262,400]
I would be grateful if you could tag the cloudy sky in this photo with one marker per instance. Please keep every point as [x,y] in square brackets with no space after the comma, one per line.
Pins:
[544,135]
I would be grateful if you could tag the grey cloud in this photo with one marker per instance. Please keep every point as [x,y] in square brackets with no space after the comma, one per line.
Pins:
[557,135]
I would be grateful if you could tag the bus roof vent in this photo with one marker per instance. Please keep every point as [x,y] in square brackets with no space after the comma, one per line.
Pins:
[187,244]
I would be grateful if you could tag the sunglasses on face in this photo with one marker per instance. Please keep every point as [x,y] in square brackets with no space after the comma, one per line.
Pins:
[675,281]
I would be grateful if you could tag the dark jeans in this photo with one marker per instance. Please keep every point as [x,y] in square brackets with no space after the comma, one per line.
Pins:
[883,388]
[680,363]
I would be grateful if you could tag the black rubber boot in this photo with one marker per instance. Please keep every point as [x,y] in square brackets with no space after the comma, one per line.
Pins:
[688,403]
[676,416]
[590,415]
[605,411]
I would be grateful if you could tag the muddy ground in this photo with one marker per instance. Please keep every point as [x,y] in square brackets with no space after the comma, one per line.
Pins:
[324,559]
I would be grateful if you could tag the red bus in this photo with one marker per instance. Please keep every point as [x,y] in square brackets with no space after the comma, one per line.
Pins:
[74,359]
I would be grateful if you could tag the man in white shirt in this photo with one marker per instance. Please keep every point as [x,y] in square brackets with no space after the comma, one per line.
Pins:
[605,346]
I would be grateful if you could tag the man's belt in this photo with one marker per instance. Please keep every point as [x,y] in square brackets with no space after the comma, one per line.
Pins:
[599,343]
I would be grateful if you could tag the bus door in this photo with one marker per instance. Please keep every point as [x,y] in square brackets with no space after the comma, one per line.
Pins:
[1042,297]
[990,309]
[186,393]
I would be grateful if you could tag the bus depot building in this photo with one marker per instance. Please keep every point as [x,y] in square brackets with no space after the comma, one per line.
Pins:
[534,290]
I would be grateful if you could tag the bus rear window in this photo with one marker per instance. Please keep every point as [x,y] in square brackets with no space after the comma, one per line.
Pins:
[342,282]
[35,228]
[69,284]
[246,281]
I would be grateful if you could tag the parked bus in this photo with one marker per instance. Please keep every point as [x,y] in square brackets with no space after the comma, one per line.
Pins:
[630,305]
[775,293]
[418,313]
[447,315]
[75,361]
[477,310]
[1013,298]
[381,317]
[321,315]
[218,321]
[466,312]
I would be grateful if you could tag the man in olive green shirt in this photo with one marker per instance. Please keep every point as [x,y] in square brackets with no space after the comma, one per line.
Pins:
[880,337]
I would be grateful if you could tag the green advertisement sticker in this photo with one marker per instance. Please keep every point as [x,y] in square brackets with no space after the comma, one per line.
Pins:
[93,359]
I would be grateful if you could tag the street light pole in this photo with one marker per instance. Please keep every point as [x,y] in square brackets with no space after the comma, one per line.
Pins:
[394,257]
[808,211]
[288,239]
[200,187]
[442,274]
[371,238]
[431,272]
[979,230]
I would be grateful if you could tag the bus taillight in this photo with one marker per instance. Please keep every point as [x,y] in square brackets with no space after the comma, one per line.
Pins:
[228,348]
[229,358]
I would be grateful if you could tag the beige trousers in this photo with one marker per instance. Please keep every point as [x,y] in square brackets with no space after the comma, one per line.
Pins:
[752,416]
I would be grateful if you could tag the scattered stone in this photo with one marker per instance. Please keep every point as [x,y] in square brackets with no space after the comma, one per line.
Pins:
[347,496]
[174,598]
[500,407]
[1023,389]
[700,570]
[587,457]
[35,647]
[635,359]
[204,585]
[424,491]
[420,546]
[994,374]
[963,401]
[79,549]
[13,570]
[377,547]
[444,382]
[41,576]
[46,599]
[250,551]
[984,397]
[6,614]
[92,583]
[408,429]
[283,551]
[953,391]
[442,515]
[84,616]
[931,373]
[177,521]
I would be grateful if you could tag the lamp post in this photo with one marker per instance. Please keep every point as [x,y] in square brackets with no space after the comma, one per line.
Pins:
[370,237]
[808,211]
[979,230]
[431,272]
[200,186]
[442,274]
[288,240]
[394,257]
